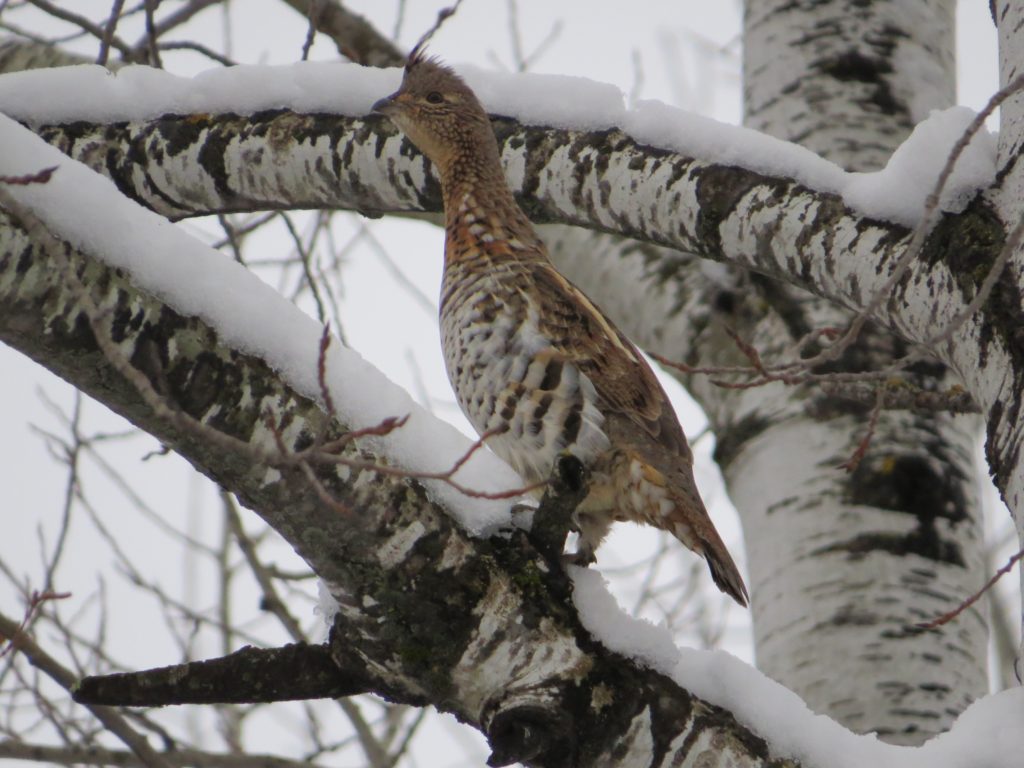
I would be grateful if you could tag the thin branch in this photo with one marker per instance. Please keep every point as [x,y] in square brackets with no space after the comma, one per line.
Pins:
[923,228]
[321,371]
[311,16]
[305,258]
[36,599]
[113,721]
[187,45]
[271,599]
[1010,248]
[948,617]
[151,35]
[181,420]
[442,16]
[72,453]
[354,37]
[854,461]
[108,33]
[178,758]
[81,21]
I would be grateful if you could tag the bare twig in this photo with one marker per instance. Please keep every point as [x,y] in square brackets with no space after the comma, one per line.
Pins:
[442,16]
[39,177]
[354,37]
[1010,248]
[113,721]
[108,33]
[188,45]
[305,258]
[311,16]
[11,636]
[180,16]
[169,413]
[923,228]
[321,371]
[948,617]
[421,299]
[854,461]
[899,394]
[178,758]
[72,453]
[151,35]
[81,21]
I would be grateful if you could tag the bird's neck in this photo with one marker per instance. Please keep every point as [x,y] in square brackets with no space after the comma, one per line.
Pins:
[480,210]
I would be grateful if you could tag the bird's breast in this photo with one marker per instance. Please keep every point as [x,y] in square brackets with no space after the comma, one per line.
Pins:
[509,379]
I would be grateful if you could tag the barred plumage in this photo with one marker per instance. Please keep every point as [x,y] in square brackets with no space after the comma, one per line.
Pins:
[530,355]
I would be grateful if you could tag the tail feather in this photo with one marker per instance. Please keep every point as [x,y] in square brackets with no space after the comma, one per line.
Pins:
[707,543]
[724,571]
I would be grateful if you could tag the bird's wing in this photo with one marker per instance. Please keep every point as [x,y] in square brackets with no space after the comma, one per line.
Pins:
[625,383]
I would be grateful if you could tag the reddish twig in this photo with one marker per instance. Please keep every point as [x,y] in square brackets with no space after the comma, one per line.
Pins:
[747,349]
[321,371]
[681,367]
[853,462]
[314,481]
[36,600]
[446,476]
[948,617]
[39,177]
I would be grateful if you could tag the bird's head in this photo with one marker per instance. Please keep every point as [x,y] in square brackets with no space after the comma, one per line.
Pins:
[437,111]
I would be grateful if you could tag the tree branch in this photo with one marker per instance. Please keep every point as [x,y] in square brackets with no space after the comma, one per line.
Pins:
[247,676]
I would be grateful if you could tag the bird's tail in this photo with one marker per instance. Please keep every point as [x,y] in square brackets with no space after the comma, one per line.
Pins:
[723,570]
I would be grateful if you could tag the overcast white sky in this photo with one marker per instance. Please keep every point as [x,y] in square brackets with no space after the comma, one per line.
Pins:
[684,53]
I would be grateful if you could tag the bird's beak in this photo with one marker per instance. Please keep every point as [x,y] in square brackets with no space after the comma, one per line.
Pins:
[385,106]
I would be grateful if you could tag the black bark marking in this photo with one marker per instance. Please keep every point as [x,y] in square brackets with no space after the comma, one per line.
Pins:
[719,189]
[852,65]
[912,485]
[181,132]
[733,437]
[211,156]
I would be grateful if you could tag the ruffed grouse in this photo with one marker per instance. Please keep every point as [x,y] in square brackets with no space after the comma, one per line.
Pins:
[531,359]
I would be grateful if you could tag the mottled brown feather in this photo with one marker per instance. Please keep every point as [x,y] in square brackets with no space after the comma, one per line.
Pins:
[625,382]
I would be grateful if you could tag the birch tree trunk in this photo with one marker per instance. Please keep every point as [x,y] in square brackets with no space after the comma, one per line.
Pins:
[902,535]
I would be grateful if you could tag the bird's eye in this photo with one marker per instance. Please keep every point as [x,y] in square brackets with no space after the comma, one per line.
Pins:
[434,97]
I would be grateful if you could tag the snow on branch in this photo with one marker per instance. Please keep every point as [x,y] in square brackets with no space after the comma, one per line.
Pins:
[88,212]
[138,93]
[792,729]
